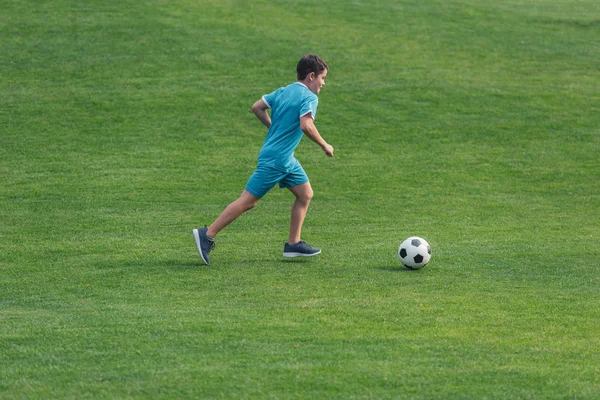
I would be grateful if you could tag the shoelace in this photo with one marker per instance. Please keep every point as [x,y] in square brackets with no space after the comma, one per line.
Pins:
[212,242]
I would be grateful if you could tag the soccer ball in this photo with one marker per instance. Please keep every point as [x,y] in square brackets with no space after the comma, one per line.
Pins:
[414,252]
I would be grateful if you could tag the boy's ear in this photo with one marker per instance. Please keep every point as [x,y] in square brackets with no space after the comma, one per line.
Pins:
[311,75]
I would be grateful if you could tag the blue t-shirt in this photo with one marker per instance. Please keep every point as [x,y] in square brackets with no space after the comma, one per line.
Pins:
[287,105]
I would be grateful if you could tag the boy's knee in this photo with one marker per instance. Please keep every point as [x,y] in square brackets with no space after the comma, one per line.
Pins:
[307,196]
[247,201]
[249,204]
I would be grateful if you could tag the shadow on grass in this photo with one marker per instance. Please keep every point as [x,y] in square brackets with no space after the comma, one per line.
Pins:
[398,269]
[296,260]
[162,263]
[182,264]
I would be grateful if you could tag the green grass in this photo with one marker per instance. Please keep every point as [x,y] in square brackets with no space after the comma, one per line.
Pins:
[125,124]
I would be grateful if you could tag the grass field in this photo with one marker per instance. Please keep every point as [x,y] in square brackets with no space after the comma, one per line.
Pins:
[472,123]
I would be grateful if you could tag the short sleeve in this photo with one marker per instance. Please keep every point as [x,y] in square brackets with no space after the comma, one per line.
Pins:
[271,98]
[309,106]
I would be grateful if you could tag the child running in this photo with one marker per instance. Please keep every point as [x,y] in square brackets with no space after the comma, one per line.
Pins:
[293,110]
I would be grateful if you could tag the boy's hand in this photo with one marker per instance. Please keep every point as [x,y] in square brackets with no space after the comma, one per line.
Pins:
[308,127]
[328,149]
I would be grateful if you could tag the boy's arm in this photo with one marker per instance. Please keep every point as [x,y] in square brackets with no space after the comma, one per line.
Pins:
[260,110]
[308,127]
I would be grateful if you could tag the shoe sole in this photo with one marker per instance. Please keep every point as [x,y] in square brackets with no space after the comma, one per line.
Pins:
[197,238]
[291,255]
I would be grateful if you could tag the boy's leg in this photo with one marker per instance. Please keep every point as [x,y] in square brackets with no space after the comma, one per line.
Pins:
[304,194]
[262,180]
[294,247]
[204,236]
[245,202]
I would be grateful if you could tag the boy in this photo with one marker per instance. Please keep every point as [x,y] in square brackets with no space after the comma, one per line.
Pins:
[293,110]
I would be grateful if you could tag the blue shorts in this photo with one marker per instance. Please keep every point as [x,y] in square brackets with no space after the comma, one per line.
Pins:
[264,178]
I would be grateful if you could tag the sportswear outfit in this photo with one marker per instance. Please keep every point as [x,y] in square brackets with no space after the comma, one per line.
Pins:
[276,161]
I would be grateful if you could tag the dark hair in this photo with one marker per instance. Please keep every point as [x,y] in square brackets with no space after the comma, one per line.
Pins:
[310,63]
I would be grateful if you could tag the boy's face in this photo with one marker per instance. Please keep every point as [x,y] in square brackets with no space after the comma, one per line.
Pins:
[316,82]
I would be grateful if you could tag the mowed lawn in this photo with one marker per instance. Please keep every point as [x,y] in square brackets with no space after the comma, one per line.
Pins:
[472,123]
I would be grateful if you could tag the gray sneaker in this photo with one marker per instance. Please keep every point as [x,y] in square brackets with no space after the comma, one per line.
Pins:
[204,243]
[299,249]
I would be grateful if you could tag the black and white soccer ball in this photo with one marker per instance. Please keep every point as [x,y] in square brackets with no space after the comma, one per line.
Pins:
[414,252]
